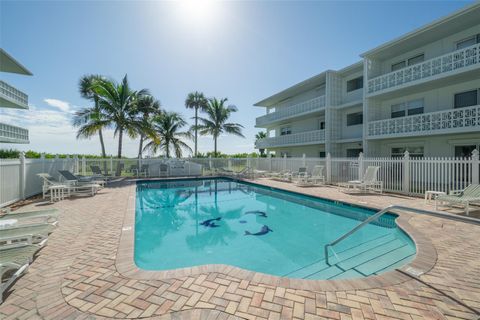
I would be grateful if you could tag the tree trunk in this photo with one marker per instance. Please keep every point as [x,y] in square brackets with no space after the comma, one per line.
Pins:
[104,155]
[140,147]
[120,138]
[196,133]
[215,147]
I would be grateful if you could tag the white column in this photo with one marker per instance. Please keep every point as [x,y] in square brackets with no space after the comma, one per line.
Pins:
[406,173]
[328,163]
[475,168]
[22,174]
[360,166]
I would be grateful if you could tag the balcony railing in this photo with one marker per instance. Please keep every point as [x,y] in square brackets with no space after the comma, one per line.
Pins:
[306,107]
[13,95]
[303,138]
[446,121]
[13,134]
[454,61]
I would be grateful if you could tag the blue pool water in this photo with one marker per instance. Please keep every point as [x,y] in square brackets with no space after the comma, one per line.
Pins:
[260,229]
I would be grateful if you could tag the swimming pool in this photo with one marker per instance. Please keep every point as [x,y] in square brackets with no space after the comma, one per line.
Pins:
[186,223]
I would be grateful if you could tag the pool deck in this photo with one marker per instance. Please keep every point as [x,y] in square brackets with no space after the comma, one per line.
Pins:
[83,273]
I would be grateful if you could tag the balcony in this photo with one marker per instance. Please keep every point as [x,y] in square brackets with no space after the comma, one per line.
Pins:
[441,122]
[296,110]
[297,139]
[13,134]
[449,64]
[11,97]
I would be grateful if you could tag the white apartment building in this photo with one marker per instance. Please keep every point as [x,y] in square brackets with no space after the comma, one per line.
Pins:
[420,92]
[11,97]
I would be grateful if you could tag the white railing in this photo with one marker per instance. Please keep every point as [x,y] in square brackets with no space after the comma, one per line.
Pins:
[405,175]
[308,137]
[296,110]
[14,95]
[445,121]
[463,59]
[13,134]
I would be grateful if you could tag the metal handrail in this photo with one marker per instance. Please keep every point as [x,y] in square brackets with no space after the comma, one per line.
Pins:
[370,219]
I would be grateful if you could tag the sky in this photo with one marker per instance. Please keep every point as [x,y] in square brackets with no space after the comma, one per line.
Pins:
[243,51]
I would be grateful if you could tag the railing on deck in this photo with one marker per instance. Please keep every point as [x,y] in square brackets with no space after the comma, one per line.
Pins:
[463,59]
[405,175]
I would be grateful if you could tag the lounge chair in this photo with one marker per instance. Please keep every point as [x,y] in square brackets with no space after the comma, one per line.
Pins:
[47,216]
[163,170]
[317,175]
[244,173]
[369,181]
[463,197]
[38,232]
[48,181]
[97,172]
[144,170]
[79,180]
[16,254]
[301,174]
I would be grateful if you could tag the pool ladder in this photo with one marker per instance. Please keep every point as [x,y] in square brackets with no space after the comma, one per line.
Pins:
[378,215]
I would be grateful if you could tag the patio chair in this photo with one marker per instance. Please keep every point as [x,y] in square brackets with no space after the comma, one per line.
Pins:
[80,180]
[47,216]
[97,172]
[144,170]
[369,181]
[244,173]
[163,170]
[317,175]
[301,174]
[72,189]
[470,194]
[37,232]
[15,257]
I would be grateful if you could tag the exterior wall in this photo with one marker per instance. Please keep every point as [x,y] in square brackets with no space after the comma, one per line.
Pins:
[430,50]
[305,96]
[309,151]
[434,146]
[304,125]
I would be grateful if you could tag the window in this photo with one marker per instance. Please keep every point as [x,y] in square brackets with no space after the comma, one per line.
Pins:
[415,152]
[354,153]
[285,131]
[355,84]
[284,154]
[468,42]
[407,108]
[466,99]
[321,124]
[464,151]
[322,154]
[354,118]
[408,62]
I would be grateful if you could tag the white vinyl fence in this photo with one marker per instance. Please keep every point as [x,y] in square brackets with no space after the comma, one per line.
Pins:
[405,175]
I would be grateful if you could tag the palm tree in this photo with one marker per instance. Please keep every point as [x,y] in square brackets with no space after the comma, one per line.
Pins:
[196,100]
[119,101]
[216,121]
[168,135]
[91,120]
[259,136]
[147,108]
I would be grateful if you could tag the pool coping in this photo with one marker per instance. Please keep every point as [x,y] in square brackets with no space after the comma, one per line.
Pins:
[423,262]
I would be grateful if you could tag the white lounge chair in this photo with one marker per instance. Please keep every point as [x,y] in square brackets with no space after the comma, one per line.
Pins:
[300,175]
[72,189]
[317,175]
[369,181]
[470,194]
[45,216]
[81,180]
[163,170]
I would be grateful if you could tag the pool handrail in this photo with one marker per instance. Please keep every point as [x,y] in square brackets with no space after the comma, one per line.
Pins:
[385,210]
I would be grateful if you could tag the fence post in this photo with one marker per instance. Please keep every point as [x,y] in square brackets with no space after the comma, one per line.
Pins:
[230,163]
[42,157]
[360,166]
[22,177]
[84,166]
[328,164]
[304,160]
[406,173]
[75,164]
[269,162]
[285,162]
[111,165]
[475,168]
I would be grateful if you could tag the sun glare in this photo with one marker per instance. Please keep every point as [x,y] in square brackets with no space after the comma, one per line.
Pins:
[198,12]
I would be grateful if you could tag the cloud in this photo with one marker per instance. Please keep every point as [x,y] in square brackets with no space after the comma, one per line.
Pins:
[59,104]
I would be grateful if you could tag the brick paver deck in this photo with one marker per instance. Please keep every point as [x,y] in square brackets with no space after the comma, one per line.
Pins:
[76,276]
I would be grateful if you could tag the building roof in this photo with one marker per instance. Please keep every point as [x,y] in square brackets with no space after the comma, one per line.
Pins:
[9,64]
[438,29]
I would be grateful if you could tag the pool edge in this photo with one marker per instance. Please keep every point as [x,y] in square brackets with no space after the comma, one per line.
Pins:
[424,260]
